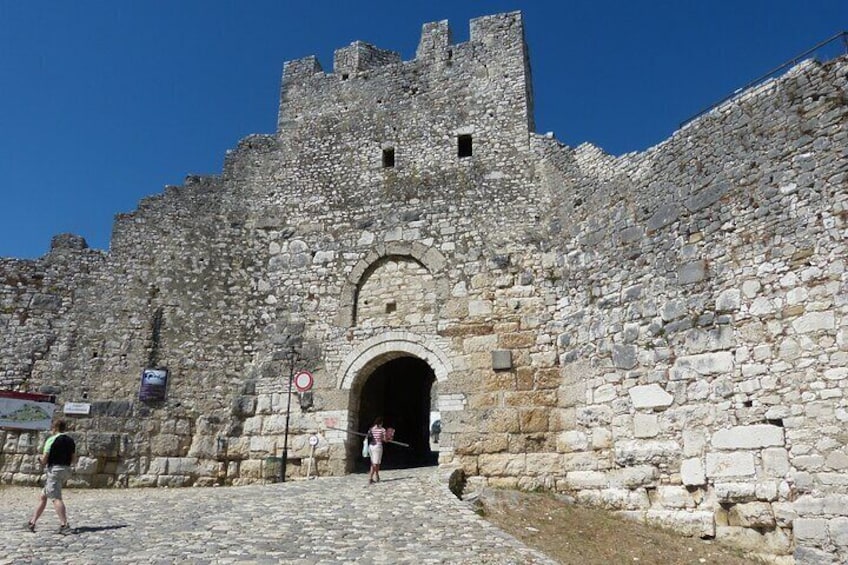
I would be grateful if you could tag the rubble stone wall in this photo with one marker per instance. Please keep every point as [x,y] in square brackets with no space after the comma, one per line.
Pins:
[661,333]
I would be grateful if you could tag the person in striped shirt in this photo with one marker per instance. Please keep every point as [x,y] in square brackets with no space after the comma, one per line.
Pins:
[376,437]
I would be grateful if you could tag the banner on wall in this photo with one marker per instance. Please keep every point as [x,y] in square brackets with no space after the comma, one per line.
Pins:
[154,385]
[26,410]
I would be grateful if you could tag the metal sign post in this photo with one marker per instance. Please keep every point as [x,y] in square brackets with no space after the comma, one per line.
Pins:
[291,357]
[313,441]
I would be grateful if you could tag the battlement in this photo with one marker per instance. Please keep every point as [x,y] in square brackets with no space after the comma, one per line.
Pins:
[436,40]
[361,56]
[366,76]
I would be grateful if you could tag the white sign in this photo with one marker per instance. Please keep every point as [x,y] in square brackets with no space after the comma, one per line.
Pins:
[303,381]
[313,440]
[83,408]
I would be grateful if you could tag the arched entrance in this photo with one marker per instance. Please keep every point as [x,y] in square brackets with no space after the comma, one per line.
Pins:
[394,374]
[400,390]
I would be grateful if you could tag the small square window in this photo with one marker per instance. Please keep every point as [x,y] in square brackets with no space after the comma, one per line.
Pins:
[388,157]
[463,146]
[391,307]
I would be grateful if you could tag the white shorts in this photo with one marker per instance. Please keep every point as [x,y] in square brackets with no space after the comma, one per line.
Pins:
[376,453]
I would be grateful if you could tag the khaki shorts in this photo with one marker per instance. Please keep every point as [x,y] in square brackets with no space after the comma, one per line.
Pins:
[56,477]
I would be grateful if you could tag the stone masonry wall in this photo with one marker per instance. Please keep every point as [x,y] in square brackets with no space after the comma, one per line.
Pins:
[662,333]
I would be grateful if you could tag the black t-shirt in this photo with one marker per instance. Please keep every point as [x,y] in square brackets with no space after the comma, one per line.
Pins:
[62,451]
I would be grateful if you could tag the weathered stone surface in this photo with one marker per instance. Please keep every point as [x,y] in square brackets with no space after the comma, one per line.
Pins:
[735,492]
[730,464]
[650,396]
[696,523]
[748,437]
[752,515]
[692,472]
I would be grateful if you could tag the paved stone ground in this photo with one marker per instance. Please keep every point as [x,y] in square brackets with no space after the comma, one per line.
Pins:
[410,517]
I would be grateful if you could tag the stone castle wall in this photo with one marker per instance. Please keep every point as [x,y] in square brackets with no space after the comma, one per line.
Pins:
[675,320]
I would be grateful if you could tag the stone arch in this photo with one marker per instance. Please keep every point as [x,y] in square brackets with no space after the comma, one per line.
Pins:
[430,257]
[385,347]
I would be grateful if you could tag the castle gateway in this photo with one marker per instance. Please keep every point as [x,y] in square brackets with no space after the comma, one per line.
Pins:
[664,334]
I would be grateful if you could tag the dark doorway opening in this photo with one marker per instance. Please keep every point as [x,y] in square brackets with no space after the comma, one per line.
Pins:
[400,391]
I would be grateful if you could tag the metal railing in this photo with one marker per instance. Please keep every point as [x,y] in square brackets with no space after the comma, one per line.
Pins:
[843,36]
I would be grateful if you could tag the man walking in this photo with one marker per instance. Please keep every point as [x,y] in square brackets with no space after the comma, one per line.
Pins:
[57,456]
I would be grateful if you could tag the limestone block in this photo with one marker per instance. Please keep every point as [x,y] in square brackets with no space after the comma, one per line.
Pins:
[580,460]
[263,444]
[748,437]
[735,464]
[767,490]
[142,481]
[250,469]
[603,394]
[572,440]
[183,465]
[650,396]
[692,272]
[103,444]
[479,307]
[775,462]
[810,530]
[735,492]
[172,481]
[158,466]
[645,425]
[673,496]
[274,424]
[692,472]
[586,479]
[264,403]
[729,300]
[165,445]
[836,374]
[204,446]
[752,515]
[833,479]
[590,416]
[808,462]
[772,543]
[601,438]
[808,505]
[624,356]
[836,504]
[238,447]
[812,556]
[784,514]
[635,452]
[694,441]
[633,477]
[10,464]
[501,464]
[699,523]
[838,530]
[543,463]
[86,466]
[814,321]
[619,499]
[694,366]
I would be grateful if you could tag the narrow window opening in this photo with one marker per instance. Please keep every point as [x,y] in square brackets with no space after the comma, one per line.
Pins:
[389,157]
[464,145]
[391,307]
[345,76]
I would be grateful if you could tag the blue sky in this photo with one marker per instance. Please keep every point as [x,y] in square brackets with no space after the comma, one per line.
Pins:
[105,102]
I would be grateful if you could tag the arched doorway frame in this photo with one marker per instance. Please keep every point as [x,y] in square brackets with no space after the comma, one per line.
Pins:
[429,257]
[387,346]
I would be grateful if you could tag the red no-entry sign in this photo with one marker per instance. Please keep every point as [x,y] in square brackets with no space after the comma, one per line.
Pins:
[303,381]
